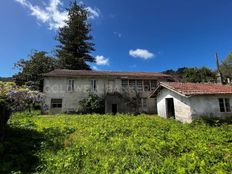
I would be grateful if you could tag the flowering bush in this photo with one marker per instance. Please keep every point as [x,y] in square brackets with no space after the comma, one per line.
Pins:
[14,98]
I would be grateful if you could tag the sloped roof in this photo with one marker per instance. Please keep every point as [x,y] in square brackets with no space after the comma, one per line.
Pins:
[190,89]
[77,73]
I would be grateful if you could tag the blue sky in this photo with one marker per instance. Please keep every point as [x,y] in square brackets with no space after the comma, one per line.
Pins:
[130,35]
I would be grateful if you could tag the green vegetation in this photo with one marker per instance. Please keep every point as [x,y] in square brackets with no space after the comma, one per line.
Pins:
[193,75]
[72,52]
[13,99]
[114,144]
[31,70]
[6,79]
[226,67]
[92,104]
[75,40]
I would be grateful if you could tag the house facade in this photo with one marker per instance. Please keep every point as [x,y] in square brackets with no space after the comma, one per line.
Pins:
[64,89]
[188,101]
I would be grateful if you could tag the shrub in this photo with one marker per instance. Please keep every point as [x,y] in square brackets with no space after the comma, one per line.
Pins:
[92,104]
[14,98]
[215,121]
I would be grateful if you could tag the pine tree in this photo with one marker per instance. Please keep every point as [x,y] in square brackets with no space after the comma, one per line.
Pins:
[75,40]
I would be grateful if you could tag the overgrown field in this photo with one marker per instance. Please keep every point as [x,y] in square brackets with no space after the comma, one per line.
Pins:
[114,144]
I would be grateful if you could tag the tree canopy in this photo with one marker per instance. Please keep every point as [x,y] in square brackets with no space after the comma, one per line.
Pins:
[6,79]
[226,66]
[193,75]
[75,46]
[32,69]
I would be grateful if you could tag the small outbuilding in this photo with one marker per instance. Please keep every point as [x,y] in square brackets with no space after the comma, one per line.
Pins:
[188,101]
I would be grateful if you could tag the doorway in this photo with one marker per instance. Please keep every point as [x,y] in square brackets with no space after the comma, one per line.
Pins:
[170,109]
[114,108]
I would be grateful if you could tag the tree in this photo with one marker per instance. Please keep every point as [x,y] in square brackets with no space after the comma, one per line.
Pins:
[193,75]
[176,74]
[6,79]
[32,70]
[226,67]
[75,40]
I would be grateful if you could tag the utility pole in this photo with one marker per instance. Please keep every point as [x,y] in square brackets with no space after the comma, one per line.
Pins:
[219,74]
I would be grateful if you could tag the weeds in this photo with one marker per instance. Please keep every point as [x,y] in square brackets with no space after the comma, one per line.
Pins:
[123,144]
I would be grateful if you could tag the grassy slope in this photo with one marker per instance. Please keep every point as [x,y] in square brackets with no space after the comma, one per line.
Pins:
[120,144]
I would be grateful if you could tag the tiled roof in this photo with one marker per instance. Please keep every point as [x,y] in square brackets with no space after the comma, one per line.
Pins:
[189,89]
[77,73]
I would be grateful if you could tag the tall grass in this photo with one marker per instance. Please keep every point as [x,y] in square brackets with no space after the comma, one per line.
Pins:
[125,144]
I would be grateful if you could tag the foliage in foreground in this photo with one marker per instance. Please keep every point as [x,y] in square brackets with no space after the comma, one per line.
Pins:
[115,144]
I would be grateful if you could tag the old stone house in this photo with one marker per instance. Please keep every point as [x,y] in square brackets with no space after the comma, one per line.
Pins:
[187,101]
[65,88]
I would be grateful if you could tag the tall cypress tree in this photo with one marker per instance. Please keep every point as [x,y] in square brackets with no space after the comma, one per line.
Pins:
[75,40]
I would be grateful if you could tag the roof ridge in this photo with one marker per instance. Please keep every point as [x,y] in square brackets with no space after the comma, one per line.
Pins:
[109,71]
[197,88]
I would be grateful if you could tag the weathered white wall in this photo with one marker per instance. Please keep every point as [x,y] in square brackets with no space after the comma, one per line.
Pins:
[181,104]
[56,87]
[208,105]
[189,108]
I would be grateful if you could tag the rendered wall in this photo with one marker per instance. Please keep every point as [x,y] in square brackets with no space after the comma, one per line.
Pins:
[181,105]
[56,88]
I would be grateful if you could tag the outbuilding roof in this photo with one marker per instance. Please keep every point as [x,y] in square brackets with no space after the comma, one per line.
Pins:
[78,73]
[190,89]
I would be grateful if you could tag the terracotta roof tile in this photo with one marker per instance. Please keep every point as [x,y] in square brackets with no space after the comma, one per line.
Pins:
[77,73]
[198,88]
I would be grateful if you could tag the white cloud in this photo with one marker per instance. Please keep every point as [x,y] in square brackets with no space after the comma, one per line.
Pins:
[51,14]
[36,11]
[101,60]
[57,18]
[141,53]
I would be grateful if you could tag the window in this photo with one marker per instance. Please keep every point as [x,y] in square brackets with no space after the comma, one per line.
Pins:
[70,85]
[56,103]
[93,85]
[147,85]
[132,84]
[153,85]
[124,84]
[139,85]
[224,104]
